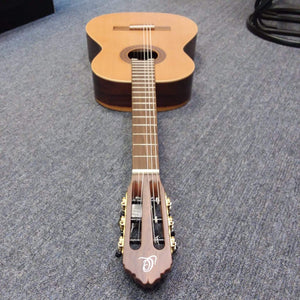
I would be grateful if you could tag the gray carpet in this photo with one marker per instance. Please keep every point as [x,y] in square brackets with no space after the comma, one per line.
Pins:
[229,160]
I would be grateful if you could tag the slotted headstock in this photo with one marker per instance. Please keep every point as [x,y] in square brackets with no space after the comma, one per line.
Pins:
[147,241]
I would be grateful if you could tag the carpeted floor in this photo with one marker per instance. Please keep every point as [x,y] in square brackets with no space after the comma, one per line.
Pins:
[229,160]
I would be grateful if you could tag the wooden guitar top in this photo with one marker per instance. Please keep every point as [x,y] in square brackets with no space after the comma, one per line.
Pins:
[109,31]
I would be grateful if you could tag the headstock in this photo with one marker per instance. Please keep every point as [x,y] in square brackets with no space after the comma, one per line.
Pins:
[147,237]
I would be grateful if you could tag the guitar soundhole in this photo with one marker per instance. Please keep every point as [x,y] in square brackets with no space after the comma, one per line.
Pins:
[137,51]
[157,222]
[142,54]
[136,217]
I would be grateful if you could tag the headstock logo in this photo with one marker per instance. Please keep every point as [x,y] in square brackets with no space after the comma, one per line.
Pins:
[148,263]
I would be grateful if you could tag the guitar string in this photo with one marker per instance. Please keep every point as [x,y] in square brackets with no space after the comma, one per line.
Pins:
[155,129]
[134,187]
[139,190]
[151,115]
[142,173]
[146,102]
[140,184]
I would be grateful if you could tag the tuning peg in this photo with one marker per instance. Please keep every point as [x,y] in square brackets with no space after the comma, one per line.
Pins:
[170,222]
[173,244]
[168,203]
[118,253]
[124,202]
[122,223]
[120,245]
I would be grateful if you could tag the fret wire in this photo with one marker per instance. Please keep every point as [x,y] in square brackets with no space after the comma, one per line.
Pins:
[142,109]
[142,79]
[146,117]
[140,87]
[143,103]
[141,133]
[138,156]
[144,125]
[145,73]
[144,144]
[142,97]
[144,92]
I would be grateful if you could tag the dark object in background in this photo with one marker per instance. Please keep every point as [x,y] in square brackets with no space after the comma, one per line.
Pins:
[14,13]
[275,22]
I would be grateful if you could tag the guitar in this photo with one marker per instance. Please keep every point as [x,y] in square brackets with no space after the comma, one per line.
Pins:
[143,62]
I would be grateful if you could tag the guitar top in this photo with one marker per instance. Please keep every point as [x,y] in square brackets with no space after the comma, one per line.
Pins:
[143,62]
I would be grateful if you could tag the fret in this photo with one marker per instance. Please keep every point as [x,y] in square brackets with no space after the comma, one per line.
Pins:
[148,88]
[145,171]
[141,133]
[143,103]
[142,79]
[144,125]
[144,144]
[143,70]
[138,73]
[144,156]
[141,97]
[143,109]
[141,82]
[139,63]
[144,92]
[147,74]
[146,117]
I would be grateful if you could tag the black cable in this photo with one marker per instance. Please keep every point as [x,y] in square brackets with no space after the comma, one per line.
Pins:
[264,13]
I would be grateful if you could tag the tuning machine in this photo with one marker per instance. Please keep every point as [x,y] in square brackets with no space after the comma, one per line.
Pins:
[168,203]
[120,246]
[173,244]
[171,225]
[122,226]
[122,223]
[124,203]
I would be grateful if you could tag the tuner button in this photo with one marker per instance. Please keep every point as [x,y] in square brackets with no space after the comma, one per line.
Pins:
[168,203]
[121,244]
[173,243]
[124,202]
[122,223]
[122,213]
[171,222]
[118,253]
[172,233]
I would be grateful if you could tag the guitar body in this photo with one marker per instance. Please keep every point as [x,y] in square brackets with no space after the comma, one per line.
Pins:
[109,43]
[143,62]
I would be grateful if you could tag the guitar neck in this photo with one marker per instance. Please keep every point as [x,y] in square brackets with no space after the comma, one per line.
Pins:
[144,118]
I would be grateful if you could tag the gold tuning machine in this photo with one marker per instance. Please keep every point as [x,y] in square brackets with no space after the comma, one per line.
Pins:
[168,203]
[122,223]
[170,222]
[124,202]
[173,244]
[119,251]
[171,226]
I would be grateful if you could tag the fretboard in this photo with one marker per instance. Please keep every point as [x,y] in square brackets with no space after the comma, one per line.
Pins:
[144,118]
